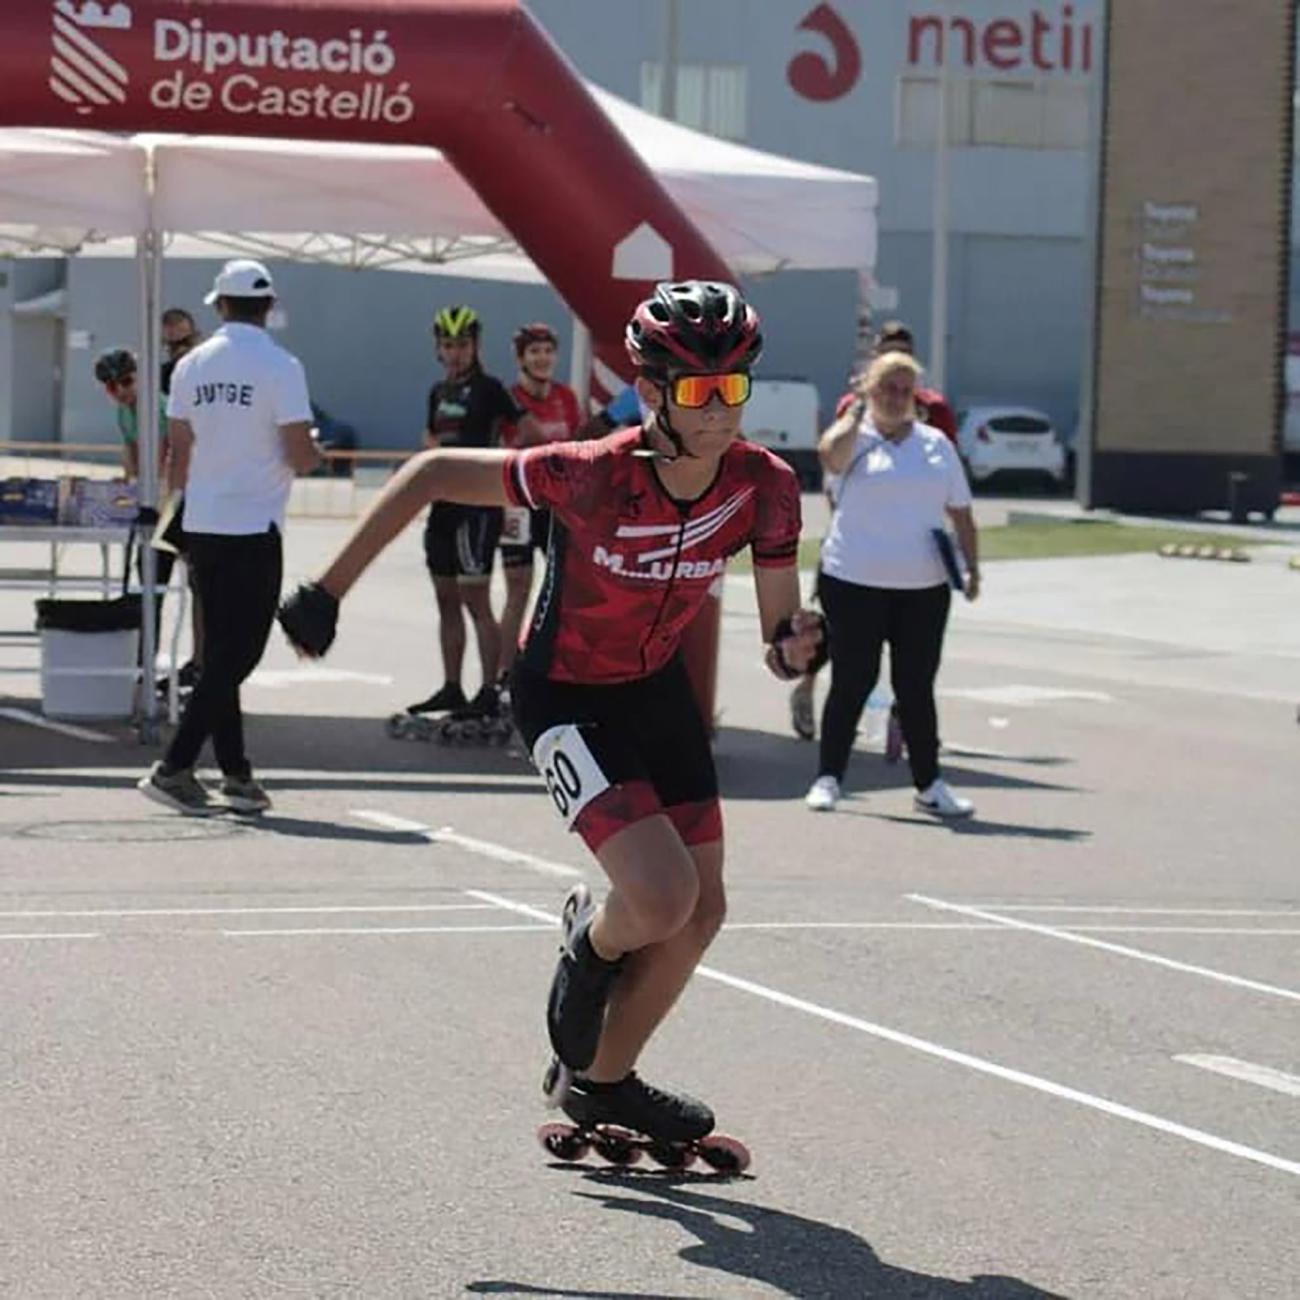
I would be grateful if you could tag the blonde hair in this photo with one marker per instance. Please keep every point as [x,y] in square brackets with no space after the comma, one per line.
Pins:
[886,363]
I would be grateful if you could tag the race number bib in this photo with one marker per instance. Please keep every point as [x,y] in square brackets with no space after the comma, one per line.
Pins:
[516,526]
[572,775]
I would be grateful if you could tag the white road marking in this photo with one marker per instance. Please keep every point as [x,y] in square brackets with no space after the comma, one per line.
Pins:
[1143,911]
[389,909]
[391,823]
[49,935]
[1263,1075]
[52,724]
[394,929]
[1178,929]
[253,911]
[1070,936]
[278,678]
[1032,1081]
[484,848]
[1021,696]
[855,925]
[992,926]
[418,780]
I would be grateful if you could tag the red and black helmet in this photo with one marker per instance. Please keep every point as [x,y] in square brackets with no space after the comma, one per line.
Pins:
[702,325]
[535,332]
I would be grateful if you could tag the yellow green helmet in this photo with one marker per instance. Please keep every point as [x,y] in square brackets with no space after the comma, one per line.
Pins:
[456,322]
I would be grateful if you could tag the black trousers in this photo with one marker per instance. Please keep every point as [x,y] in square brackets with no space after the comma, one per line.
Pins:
[238,580]
[862,620]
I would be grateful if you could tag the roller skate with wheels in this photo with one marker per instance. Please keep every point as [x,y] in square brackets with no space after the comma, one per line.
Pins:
[420,720]
[895,746]
[480,722]
[622,1122]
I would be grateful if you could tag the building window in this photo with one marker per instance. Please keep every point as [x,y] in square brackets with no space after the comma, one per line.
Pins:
[710,96]
[986,112]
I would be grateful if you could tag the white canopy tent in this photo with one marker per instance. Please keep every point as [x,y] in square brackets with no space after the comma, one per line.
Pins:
[402,207]
[398,207]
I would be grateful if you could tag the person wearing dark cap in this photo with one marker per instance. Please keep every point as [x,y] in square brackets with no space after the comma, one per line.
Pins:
[239,422]
[117,371]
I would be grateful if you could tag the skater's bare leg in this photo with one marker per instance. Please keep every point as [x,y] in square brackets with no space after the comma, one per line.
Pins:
[681,906]
[451,627]
[519,584]
[476,598]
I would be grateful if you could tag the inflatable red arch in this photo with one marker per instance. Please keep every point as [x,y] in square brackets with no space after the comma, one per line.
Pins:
[478,79]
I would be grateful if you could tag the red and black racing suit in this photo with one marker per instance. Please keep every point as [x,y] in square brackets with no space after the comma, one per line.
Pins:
[599,691]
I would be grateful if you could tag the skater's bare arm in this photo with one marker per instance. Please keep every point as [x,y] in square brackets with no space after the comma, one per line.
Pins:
[799,631]
[467,476]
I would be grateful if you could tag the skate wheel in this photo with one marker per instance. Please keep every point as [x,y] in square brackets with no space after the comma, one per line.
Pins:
[563,1141]
[396,726]
[617,1146]
[671,1155]
[725,1155]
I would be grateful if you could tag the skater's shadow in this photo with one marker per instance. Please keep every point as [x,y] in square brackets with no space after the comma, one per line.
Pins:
[758,765]
[304,828]
[796,1256]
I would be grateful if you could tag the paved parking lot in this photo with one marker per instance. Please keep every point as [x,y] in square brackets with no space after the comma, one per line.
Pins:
[1054,1051]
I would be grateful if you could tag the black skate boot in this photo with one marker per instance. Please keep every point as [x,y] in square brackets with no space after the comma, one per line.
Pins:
[663,1117]
[575,1010]
[446,699]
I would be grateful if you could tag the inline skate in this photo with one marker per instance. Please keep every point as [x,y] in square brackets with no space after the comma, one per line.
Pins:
[624,1121]
[420,721]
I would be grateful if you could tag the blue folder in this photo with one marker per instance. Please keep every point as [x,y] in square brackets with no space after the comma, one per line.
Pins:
[948,554]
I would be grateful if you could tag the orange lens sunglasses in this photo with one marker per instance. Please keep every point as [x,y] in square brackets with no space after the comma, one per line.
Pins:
[696,391]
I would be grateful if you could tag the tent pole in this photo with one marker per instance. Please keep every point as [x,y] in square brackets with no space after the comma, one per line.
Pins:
[580,363]
[149,269]
[937,362]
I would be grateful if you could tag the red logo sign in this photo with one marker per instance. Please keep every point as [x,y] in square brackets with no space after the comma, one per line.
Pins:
[811,75]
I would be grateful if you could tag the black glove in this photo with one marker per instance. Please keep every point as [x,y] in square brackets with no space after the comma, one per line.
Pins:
[309,618]
[785,629]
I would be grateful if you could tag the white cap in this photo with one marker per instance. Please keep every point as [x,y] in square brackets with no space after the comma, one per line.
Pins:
[241,278]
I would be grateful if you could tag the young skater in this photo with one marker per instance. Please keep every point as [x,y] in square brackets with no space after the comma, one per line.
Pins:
[643,522]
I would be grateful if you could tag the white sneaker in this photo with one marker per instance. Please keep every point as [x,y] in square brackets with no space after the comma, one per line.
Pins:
[941,801]
[823,794]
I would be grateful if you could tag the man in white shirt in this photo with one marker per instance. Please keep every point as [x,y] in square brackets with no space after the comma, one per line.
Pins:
[239,421]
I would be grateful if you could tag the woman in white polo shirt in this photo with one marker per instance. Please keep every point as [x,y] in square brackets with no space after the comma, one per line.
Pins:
[882,577]
[240,426]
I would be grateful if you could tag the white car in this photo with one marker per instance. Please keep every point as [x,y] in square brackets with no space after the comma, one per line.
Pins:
[993,439]
[782,415]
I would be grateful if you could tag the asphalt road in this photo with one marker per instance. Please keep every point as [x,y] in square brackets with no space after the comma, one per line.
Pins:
[1054,1051]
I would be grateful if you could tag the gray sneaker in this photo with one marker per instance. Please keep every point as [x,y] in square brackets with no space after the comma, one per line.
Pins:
[181,791]
[243,794]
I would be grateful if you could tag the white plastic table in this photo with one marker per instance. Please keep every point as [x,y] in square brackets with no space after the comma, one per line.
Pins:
[58,536]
